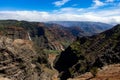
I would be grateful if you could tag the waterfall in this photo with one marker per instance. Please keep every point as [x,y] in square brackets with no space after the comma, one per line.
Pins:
[29,37]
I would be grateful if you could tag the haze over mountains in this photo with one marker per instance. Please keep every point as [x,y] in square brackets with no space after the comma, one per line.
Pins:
[88,27]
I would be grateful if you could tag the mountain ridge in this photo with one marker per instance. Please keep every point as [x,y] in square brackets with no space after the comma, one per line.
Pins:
[88,53]
[88,27]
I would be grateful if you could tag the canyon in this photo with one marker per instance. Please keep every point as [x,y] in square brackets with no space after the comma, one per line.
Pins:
[55,51]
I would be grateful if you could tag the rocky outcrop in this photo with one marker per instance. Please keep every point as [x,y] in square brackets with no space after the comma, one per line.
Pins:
[89,53]
[110,72]
[14,32]
[19,60]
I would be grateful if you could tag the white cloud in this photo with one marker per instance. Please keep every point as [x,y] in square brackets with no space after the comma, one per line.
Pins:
[60,3]
[24,15]
[75,5]
[111,16]
[67,10]
[109,0]
[97,3]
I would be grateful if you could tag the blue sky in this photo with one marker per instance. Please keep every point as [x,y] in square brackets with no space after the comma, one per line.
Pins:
[106,11]
[42,5]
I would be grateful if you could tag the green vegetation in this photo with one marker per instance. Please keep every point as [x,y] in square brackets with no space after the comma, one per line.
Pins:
[65,43]
[51,51]
[94,71]
[1,28]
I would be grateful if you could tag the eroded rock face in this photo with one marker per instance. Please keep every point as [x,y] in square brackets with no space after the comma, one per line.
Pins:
[15,59]
[20,61]
[14,32]
[47,36]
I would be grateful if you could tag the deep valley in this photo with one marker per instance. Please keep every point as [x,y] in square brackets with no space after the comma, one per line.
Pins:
[59,50]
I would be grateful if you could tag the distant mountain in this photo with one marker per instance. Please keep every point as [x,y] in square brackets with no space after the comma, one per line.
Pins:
[89,53]
[75,31]
[90,28]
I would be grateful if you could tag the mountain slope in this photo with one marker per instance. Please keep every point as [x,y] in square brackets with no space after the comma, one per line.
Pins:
[109,72]
[20,60]
[89,53]
[46,36]
[89,28]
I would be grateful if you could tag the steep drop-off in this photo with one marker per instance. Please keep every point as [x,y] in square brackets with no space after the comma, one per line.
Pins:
[20,60]
[89,53]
